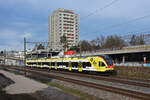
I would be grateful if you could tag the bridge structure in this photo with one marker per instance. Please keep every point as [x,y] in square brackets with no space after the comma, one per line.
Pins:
[134,55]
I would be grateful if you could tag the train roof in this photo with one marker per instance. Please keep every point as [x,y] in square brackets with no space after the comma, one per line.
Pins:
[104,56]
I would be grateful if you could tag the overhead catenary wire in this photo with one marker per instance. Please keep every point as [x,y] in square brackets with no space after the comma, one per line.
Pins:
[120,24]
[145,34]
[100,9]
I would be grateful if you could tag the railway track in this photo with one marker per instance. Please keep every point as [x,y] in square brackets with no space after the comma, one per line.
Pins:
[109,79]
[142,80]
[130,93]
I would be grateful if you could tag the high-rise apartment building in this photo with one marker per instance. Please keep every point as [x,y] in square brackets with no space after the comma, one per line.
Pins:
[63,22]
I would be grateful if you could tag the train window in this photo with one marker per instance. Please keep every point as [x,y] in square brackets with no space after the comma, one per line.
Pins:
[53,64]
[86,64]
[101,64]
[63,63]
[60,63]
[66,64]
[45,63]
[33,63]
[74,64]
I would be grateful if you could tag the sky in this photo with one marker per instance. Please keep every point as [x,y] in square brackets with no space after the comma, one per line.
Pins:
[29,18]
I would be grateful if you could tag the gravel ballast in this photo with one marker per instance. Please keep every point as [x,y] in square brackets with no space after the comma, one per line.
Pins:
[113,84]
[105,95]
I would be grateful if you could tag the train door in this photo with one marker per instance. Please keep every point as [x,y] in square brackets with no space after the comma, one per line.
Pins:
[80,66]
[70,66]
[102,66]
[56,65]
[95,63]
[41,66]
[50,65]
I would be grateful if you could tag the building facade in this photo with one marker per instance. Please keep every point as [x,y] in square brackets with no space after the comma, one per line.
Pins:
[63,22]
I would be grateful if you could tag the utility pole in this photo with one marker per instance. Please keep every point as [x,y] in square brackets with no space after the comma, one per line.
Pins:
[25,55]
[4,56]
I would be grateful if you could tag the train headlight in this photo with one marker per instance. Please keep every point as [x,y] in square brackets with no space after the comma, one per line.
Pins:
[110,66]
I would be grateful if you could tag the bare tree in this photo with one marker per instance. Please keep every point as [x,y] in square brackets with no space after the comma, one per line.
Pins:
[137,40]
[94,44]
[141,40]
[85,45]
[114,42]
[133,40]
[101,41]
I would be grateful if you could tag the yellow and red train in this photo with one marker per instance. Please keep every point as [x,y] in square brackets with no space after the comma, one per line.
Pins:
[96,63]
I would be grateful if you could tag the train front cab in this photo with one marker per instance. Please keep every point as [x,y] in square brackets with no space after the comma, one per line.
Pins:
[101,64]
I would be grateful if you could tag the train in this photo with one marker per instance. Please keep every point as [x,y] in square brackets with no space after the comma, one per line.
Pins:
[94,63]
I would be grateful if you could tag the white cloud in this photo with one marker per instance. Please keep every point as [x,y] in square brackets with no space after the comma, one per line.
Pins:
[14,35]
[13,40]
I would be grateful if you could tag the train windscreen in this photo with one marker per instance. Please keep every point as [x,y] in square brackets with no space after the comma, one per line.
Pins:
[107,59]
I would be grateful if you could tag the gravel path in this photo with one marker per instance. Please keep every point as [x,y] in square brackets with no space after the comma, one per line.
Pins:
[22,84]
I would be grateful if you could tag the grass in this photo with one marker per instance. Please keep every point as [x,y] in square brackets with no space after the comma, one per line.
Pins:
[80,94]
[133,72]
